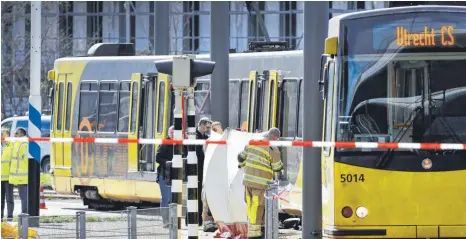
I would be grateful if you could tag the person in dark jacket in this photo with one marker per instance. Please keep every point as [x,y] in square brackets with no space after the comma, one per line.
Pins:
[164,154]
[202,132]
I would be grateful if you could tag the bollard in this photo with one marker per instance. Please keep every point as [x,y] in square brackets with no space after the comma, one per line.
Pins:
[132,217]
[23,226]
[173,221]
[271,212]
[80,225]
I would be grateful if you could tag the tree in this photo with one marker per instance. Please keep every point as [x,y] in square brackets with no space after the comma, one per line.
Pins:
[16,28]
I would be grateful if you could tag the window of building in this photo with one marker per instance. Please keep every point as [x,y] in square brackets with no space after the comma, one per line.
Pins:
[132,21]
[152,26]
[88,102]
[65,27]
[108,107]
[288,22]
[94,23]
[191,26]
[123,109]
[255,30]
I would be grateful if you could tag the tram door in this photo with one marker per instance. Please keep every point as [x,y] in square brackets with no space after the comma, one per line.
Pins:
[262,101]
[163,112]
[58,119]
[407,80]
[148,106]
[133,129]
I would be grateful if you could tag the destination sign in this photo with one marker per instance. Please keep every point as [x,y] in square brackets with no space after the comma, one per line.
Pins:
[405,33]
[429,37]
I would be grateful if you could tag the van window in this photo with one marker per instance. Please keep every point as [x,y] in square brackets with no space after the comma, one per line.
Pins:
[22,124]
[44,129]
[7,125]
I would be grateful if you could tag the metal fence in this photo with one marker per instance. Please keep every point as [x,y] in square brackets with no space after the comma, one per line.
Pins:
[271,212]
[131,223]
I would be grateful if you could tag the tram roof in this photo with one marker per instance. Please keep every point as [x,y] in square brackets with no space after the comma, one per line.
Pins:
[160,57]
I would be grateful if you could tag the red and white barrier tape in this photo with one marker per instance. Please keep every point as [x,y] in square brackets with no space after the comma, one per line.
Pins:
[315,144]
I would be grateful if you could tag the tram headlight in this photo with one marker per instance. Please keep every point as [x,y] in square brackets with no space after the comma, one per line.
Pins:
[362,212]
[427,164]
[347,212]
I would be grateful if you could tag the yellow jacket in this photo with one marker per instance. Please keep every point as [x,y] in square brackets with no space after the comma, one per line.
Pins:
[259,163]
[19,164]
[6,160]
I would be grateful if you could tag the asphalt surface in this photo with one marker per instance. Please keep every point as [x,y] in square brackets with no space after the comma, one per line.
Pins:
[60,217]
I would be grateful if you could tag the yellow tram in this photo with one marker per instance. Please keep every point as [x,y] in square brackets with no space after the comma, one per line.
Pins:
[395,75]
[103,95]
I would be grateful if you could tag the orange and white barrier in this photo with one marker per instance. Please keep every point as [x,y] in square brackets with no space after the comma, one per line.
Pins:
[315,144]
[42,198]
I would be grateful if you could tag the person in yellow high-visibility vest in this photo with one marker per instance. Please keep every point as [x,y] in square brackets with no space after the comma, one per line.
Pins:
[19,168]
[259,163]
[7,188]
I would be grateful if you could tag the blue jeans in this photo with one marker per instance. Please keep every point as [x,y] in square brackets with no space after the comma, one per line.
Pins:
[23,195]
[7,192]
[166,193]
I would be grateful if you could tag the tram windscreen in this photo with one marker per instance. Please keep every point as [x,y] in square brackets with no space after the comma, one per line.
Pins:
[403,79]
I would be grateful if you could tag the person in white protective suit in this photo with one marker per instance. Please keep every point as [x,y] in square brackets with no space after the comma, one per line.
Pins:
[207,218]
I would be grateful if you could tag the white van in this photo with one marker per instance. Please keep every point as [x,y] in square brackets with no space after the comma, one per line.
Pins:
[13,123]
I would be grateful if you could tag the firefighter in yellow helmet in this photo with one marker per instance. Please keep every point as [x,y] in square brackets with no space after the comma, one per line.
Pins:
[7,188]
[259,163]
[19,168]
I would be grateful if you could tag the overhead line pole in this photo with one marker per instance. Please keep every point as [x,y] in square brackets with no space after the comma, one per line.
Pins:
[219,53]
[315,32]
[35,108]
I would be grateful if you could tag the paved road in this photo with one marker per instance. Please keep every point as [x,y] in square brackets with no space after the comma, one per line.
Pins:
[111,224]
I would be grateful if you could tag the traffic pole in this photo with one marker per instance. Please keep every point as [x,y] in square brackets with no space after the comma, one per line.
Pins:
[35,103]
[192,170]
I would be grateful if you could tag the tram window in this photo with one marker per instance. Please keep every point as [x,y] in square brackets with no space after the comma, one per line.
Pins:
[60,107]
[234,103]
[202,102]
[134,106]
[160,113]
[244,102]
[88,99]
[52,103]
[301,103]
[290,101]
[272,106]
[251,105]
[123,109]
[69,96]
[329,105]
[264,105]
[107,107]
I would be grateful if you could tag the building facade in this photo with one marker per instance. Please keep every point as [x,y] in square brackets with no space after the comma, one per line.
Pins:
[70,28]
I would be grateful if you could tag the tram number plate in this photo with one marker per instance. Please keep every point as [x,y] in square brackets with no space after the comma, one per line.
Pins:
[351,178]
